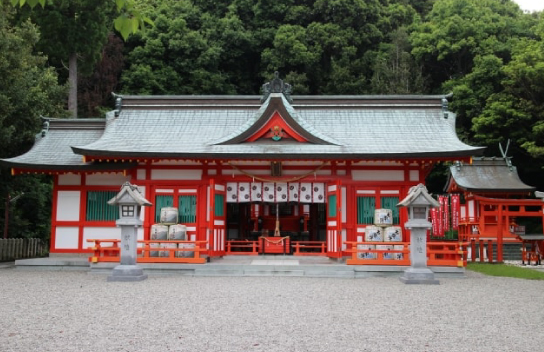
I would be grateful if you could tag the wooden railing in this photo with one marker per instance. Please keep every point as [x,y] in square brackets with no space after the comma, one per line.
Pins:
[365,253]
[438,253]
[107,250]
[314,248]
[447,254]
[20,248]
[246,247]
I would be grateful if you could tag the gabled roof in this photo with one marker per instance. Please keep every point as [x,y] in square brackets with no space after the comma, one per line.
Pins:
[246,127]
[486,175]
[52,149]
[276,105]
[219,127]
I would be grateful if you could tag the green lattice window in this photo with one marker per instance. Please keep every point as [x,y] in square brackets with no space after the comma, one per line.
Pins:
[391,203]
[187,209]
[332,206]
[365,210]
[162,201]
[219,205]
[98,208]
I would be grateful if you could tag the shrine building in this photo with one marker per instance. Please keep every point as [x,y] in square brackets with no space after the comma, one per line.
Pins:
[239,168]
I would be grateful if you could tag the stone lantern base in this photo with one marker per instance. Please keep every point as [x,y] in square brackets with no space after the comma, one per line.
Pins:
[419,276]
[127,273]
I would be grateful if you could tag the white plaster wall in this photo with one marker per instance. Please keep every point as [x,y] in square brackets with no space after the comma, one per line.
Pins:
[142,192]
[175,162]
[157,174]
[140,173]
[67,237]
[238,172]
[377,163]
[302,172]
[414,175]
[68,205]
[378,175]
[108,179]
[471,213]
[69,180]
[101,233]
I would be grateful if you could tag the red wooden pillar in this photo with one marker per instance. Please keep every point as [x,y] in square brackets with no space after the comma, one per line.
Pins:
[499,234]
[490,250]
[473,250]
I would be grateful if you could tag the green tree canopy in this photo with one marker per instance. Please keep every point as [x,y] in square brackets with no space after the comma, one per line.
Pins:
[28,89]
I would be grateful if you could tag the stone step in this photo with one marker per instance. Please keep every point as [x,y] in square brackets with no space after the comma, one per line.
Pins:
[318,267]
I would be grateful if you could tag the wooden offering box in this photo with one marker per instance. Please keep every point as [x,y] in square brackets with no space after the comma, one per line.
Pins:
[275,245]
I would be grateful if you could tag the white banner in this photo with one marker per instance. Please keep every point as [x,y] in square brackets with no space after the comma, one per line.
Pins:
[256,192]
[232,192]
[281,192]
[243,192]
[318,193]
[305,192]
[293,192]
[269,194]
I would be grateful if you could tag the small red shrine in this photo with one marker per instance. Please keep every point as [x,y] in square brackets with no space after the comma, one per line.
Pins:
[495,200]
[244,172]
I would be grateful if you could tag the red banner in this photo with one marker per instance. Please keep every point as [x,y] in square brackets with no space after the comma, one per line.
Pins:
[455,210]
[446,200]
[435,221]
[440,217]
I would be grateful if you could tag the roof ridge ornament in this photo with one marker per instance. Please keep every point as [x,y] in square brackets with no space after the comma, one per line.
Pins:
[118,103]
[277,85]
[45,125]
[504,153]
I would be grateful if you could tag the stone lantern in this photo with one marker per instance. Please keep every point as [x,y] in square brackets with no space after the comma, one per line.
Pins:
[418,202]
[130,202]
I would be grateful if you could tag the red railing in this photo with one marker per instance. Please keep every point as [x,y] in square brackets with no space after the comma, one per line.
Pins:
[366,253]
[246,247]
[398,253]
[447,254]
[313,248]
[107,250]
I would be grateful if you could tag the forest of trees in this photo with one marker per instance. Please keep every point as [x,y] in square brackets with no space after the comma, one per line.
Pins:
[489,53]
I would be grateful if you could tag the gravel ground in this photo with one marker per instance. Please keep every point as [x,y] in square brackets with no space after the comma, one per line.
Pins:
[75,311]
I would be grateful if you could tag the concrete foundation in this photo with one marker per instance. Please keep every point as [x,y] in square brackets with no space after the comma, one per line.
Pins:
[127,273]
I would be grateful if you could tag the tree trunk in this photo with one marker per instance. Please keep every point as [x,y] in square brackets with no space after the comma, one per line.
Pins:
[72,82]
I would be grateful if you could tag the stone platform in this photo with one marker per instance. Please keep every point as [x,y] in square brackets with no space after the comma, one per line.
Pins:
[262,265]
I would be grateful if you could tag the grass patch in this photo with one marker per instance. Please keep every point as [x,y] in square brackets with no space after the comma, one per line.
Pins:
[506,271]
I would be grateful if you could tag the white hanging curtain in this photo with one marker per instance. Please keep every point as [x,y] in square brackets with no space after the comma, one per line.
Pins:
[269,192]
[305,192]
[243,192]
[232,192]
[293,192]
[281,192]
[318,192]
[256,192]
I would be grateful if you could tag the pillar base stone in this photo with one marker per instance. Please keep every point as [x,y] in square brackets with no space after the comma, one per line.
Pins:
[419,276]
[127,273]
